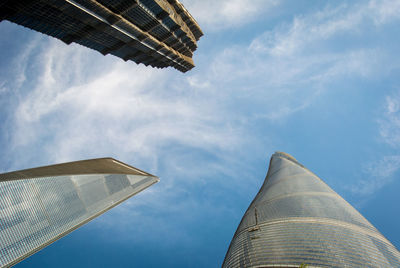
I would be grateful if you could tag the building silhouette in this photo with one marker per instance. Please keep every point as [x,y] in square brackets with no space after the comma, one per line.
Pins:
[297,219]
[40,205]
[159,33]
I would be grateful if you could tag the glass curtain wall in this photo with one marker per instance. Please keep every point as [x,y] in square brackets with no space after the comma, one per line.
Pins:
[298,219]
[36,212]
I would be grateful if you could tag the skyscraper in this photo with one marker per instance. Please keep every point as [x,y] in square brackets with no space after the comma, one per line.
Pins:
[40,205]
[297,219]
[159,33]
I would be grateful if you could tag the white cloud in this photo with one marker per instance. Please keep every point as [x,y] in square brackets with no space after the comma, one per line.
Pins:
[382,172]
[21,61]
[385,10]
[120,107]
[274,87]
[307,30]
[3,88]
[285,69]
[378,174]
[216,15]
[389,124]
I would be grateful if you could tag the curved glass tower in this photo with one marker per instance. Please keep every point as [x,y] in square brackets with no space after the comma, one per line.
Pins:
[297,219]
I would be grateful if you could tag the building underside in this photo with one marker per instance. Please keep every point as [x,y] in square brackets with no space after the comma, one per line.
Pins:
[159,33]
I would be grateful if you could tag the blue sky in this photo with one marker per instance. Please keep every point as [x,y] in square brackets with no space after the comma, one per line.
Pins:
[317,79]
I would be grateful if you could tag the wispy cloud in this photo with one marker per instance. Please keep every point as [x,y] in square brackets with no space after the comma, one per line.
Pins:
[384,170]
[118,109]
[307,33]
[216,15]
[378,174]
[389,124]
[384,10]
[285,69]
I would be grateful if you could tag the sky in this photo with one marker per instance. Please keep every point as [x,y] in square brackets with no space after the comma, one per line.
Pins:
[319,80]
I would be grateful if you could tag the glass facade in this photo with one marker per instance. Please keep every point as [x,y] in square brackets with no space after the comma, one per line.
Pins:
[297,219]
[159,33]
[35,212]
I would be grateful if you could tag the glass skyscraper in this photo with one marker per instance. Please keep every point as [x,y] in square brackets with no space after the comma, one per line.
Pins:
[297,219]
[40,205]
[158,33]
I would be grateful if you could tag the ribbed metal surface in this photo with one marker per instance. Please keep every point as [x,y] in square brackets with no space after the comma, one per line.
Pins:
[36,212]
[105,165]
[297,219]
[152,32]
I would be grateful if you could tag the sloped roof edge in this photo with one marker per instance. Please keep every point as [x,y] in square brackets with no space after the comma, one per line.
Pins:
[106,165]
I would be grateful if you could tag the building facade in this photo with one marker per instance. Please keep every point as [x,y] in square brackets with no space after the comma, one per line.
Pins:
[40,205]
[297,219]
[159,33]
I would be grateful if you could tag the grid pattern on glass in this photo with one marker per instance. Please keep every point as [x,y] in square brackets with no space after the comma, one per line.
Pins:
[35,212]
[315,244]
[89,23]
[296,218]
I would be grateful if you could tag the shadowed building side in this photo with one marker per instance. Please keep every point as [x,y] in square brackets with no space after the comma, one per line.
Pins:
[158,33]
[40,205]
[297,219]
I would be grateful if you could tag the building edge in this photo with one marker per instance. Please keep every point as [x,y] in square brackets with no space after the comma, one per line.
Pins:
[39,248]
[104,165]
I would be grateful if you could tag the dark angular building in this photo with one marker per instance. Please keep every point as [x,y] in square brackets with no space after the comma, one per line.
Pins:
[40,205]
[159,33]
[296,220]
